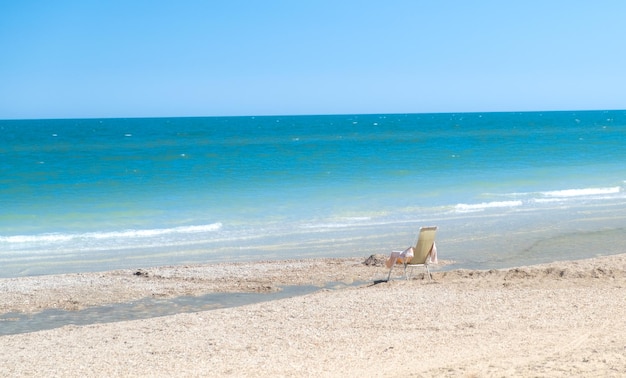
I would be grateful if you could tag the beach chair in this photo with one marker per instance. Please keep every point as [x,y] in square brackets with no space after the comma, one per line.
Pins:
[423,254]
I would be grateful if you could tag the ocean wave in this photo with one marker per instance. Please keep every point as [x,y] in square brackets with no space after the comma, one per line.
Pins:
[467,208]
[581,192]
[567,195]
[146,233]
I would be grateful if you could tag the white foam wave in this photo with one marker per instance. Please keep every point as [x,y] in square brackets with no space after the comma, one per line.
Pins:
[466,208]
[59,238]
[581,192]
[50,238]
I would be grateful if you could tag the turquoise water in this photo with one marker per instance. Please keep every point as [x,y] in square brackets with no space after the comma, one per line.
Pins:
[504,188]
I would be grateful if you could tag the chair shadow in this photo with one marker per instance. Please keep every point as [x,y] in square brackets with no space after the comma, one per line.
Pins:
[376,282]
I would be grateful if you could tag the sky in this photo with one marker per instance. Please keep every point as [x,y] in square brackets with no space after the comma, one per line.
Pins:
[155,58]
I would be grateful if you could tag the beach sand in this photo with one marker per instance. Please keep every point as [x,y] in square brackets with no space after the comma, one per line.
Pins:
[561,319]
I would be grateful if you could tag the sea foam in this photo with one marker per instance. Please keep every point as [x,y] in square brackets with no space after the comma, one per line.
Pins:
[568,195]
[146,233]
[465,208]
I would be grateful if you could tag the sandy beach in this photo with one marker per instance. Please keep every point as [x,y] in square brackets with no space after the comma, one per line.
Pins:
[560,319]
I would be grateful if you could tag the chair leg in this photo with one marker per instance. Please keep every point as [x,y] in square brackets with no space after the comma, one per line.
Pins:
[407,273]
[389,275]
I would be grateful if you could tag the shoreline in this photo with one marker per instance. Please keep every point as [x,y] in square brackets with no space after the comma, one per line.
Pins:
[76,291]
[561,318]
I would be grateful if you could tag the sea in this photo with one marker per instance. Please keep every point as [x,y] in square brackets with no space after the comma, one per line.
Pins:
[504,189]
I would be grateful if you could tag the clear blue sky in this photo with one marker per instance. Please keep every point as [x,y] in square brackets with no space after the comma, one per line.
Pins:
[137,58]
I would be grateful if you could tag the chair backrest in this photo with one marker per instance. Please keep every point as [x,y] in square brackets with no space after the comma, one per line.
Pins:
[425,241]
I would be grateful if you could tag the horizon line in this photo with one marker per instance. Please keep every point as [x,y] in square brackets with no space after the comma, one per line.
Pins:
[308,114]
